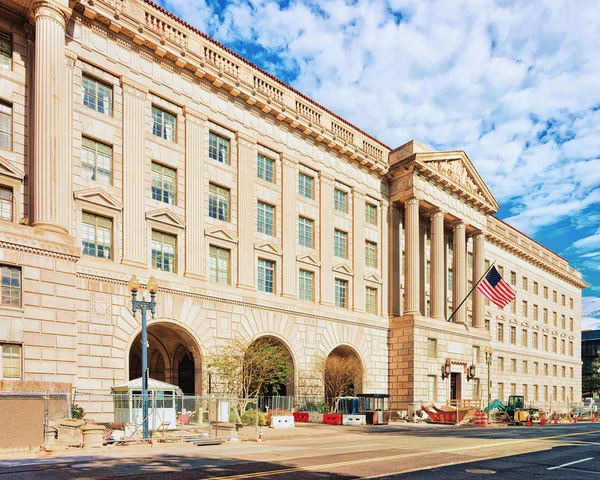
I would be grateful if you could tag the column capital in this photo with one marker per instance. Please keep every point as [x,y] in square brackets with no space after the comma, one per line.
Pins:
[132,87]
[51,10]
[412,201]
[289,161]
[326,178]
[193,115]
[245,140]
[437,213]
[358,193]
[459,225]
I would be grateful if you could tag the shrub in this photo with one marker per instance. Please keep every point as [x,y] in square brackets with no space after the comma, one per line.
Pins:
[77,411]
[249,418]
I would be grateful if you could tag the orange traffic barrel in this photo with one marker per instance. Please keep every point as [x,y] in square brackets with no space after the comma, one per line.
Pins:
[480,419]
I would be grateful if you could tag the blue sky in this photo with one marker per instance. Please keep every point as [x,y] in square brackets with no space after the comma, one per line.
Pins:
[516,84]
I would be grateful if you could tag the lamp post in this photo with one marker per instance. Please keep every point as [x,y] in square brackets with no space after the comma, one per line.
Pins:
[144,306]
[488,359]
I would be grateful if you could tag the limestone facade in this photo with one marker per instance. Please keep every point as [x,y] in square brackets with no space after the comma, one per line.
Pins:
[133,144]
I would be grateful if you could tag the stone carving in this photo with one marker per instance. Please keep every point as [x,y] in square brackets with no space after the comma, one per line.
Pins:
[101,308]
[455,170]
[223,325]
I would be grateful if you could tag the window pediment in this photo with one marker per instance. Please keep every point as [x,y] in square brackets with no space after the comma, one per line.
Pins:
[308,258]
[221,233]
[167,217]
[373,278]
[268,247]
[98,196]
[343,268]
[8,169]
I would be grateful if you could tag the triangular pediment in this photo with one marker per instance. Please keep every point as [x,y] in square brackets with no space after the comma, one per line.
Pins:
[309,258]
[99,197]
[165,216]
[343,268]
[372,277]
[221,233]
[268,247]
[7,168]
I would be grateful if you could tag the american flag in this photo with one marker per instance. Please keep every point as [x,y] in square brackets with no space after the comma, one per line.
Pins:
[496,289]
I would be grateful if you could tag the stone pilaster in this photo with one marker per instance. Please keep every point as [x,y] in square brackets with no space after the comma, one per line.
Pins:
[247,151]
[326,214]
[51,159]
[194,194]
[383,222]
[412,253]
[459,272]
[437,265]
[358,222]
[66,179]
[134,219]
[395,261]
[290,220]
[478,271]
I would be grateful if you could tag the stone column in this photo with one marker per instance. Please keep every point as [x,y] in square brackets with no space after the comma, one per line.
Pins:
[290,220]
[437,265]
[134,218]
[395,262]
[247,151]
[478,271]
[66,179]
[194,194]
[459,273]
[326,224]
[51,160]
[383,223]
[412,251]
[358,243]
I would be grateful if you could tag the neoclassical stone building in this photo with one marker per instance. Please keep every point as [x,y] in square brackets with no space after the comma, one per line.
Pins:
[131,143]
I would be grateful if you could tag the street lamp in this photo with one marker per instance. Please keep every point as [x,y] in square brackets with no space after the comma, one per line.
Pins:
[144,306]
[488,359]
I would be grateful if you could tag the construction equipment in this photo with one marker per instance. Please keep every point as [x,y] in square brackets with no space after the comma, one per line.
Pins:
[518,413]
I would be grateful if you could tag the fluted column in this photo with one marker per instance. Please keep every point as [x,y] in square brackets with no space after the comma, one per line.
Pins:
[395,261]
[437,265]
[459,273]
[326,217]
[194,194]
[66,179]
[412,251]
[290,220]
[358,223]
[478,271]
[247,151]
[51,160]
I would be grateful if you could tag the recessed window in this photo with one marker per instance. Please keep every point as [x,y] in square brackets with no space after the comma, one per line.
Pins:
[218,202]
[500,332]
[163,124]
[501,364]
[371,300]
[513,335]
[5,125]
[306,285]
[431,347]
[524,341]
[218,148]
[371,254]
[6,204]
[96,236]
[535,340]
[340,200]
[525,308]
[164,181]
[371,214]
[266,218]
[164,248]
[305,185]
[305,232]
[11,361]
[96,161]
[97,95]
[525,283]
[536,288]
[513,278]
[266,276]
[265,168]
[11,286]
[513,365]
[340,244]
[6,50]
[341,293]
[219,264]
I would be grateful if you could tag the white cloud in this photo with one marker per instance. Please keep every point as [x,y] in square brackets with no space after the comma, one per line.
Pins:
[591,313]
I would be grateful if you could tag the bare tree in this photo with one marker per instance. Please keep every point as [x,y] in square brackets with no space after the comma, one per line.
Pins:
[341,374]
[591,378]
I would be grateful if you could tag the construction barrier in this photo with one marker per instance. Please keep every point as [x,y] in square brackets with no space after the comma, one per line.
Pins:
[332,418]
[480,419]
[354,419]
[301,417]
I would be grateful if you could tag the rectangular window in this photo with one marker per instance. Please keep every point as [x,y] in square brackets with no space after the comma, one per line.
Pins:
[555,319]
[341,293]
[6,204]
[266,276]
[432,348]
[513,306]
[525,366]
[371,300]
[305,232]
[546,393]
[571,372]
[164,248]
[501,364]
[554,296]
[11,286]
[571,303]
[536,368]
[563,300]
[97,95]
[570,324]
[535,312]
[218,202]
[524,308]
[554,345]
[554,390]
[555,370]
[546,293]
[536,288]
[305,185]
[266,218]
[525,283]
[219,264]
[164,181]
[500,332]
[469,260]
[5,125]
[96,161]
[513,388]
[6,50]
[501,392]
[545,343]
[431,388]
[371,214]
[571,349]
[218,148]
[563,371]
[563,322]
[340,244]
[11,361]
[371,254]
[525,393]
[163,124]
[96,236]
[545,315]
[524,339]
[546,369]
[477,354]
[562,346]
[265,168]
[306,285]
[513,365]
[487,324]
[535,340]
[513,278]
[513,335]
[340,200]
[536,393]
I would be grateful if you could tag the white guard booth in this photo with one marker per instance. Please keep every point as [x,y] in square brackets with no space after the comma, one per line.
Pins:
[162,411]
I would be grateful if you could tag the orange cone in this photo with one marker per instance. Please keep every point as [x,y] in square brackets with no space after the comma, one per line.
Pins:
[543,421]
[593,418]
[260,436]
[529,421]
[574,419]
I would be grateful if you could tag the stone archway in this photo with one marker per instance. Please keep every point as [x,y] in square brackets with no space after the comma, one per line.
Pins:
[173,357]
[288,388]
[343,372]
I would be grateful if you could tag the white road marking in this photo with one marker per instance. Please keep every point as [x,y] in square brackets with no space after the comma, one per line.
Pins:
[571,463]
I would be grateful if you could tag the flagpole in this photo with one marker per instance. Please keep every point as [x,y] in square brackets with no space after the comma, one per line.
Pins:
[469,294]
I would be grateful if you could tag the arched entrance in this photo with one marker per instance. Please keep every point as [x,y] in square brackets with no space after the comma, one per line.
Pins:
[343,373]
[173,357]
[278,389]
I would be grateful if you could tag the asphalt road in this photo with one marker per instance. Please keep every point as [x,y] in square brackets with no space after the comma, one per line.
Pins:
[569,451]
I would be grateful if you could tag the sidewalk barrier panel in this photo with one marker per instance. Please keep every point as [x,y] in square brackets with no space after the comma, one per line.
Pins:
[282,421]
[332,418]
[315,418]
[354,419]
[301,417]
